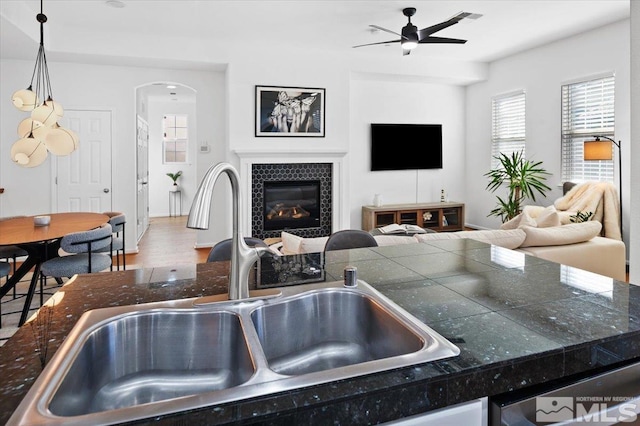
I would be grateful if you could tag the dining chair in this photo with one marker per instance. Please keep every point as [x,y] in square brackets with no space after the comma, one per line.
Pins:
[12,253]
[350,239]
[117,220]
[81,258]
[222,250]
[5,269]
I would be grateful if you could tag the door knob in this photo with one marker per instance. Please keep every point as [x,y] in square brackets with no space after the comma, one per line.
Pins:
[106,190]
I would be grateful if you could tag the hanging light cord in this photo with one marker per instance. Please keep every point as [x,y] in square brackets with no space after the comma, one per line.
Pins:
[41,70]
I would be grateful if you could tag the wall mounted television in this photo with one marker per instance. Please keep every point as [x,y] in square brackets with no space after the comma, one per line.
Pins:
[406,146]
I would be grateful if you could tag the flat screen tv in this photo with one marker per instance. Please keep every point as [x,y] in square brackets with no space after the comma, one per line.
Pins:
[406,146]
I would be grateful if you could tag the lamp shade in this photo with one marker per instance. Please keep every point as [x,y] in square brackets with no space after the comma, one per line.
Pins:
[25,99]
[29,126]
[28,152]
[57,108]
[61,141]
[598,150]
[45,114]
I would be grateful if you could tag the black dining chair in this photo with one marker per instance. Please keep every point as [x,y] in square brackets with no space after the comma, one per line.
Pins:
[350,239]
[5,269]
[82,257]
[12,253]
[117,221]
[222,250]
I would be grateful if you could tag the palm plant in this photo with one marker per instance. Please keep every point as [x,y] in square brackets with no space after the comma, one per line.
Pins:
[174,176]
[523,178]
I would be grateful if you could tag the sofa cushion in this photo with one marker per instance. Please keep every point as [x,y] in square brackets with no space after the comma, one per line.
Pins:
[560,235]
[290,243]
[507,238]
[313,245]
[293,244]
[547,218]
[520,220]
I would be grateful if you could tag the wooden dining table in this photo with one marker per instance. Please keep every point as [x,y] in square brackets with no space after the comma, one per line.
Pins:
[41,243]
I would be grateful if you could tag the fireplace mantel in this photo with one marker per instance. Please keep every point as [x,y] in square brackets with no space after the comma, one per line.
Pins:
[283,155]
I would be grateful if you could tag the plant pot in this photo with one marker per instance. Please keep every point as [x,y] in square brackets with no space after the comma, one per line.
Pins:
[174,187]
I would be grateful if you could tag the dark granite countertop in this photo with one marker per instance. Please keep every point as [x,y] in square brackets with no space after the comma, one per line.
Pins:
[518,320]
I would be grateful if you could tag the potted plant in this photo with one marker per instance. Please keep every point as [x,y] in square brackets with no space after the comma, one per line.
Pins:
[523,178]
[174,177]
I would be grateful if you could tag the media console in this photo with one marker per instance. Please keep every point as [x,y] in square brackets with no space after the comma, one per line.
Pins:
[440,217]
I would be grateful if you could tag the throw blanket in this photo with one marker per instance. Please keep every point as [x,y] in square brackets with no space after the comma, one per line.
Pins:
[601,198]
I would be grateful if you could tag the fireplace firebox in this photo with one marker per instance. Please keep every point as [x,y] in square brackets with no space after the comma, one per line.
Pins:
[292,197]
[292,204]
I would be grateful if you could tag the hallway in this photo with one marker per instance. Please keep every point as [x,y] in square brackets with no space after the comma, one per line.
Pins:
[166,242]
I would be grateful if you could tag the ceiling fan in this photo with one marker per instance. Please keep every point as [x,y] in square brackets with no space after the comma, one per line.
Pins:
[411,36]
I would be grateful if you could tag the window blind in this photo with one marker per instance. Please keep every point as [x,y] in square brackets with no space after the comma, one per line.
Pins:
[587,110]
[508,125]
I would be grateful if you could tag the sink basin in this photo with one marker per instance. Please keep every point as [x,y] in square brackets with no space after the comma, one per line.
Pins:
[332,329]
[173,358]
[139,362]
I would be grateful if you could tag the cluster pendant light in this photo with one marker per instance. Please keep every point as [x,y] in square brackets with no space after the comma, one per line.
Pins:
[40,133]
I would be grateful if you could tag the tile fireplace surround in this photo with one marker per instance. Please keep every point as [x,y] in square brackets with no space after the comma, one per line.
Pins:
[325,166]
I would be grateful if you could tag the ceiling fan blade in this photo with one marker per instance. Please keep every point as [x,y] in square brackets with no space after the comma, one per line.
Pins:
[385,29]
[426,32]
[449,22]
[406,52]
[381,42]
[442,40]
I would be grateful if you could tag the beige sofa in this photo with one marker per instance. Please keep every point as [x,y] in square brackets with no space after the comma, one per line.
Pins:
[575,244]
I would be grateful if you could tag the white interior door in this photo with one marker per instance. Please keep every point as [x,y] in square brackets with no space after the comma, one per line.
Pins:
[84,177]
[142,174]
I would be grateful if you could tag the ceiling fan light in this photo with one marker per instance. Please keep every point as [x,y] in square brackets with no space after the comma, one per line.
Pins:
[25,99]
[61,141]
[28,152]
[45,114]
[409,44]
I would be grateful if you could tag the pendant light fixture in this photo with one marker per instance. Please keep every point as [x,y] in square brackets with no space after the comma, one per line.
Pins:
[40,133]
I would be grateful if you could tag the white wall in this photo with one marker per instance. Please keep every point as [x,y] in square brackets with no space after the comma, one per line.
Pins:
[381,101]
[159,182]
[85,86]
[634,156]
[541,73]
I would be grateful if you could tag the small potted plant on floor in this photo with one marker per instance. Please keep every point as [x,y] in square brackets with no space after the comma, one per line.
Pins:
[174,177]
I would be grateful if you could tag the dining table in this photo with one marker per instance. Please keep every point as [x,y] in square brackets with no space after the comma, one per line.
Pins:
[41,243]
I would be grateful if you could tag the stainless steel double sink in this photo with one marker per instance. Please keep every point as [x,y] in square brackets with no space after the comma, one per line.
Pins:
[135,362]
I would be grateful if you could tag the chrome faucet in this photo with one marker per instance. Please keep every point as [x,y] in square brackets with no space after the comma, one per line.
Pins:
[242,256]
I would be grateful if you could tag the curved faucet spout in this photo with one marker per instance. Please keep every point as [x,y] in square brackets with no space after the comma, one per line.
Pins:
[242,256]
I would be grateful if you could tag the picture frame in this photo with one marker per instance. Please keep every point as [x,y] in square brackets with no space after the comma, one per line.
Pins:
[283,111]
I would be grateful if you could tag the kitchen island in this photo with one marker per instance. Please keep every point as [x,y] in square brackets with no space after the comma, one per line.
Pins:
[519,321]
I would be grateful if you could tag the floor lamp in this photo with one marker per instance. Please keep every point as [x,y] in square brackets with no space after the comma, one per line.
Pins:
[602,150]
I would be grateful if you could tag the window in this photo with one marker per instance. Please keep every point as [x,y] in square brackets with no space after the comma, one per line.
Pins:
[587,110]
[175,138]
[508,125]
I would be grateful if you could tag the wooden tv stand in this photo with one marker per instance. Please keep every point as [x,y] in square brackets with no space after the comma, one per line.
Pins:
[440,217]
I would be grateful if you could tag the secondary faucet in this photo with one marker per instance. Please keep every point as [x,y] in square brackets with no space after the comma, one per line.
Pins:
[242,256]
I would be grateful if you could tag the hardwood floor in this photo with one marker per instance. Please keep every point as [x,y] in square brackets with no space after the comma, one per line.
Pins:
[167,242]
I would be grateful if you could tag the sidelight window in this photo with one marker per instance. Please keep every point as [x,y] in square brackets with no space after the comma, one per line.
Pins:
[175,138]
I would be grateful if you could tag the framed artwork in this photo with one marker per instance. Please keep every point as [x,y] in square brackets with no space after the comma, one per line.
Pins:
[289,111]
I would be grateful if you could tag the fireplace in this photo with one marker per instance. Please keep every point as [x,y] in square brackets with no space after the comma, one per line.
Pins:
[291,204]
[292,197]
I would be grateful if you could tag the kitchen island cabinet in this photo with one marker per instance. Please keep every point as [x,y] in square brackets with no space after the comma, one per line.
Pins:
[519,321]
